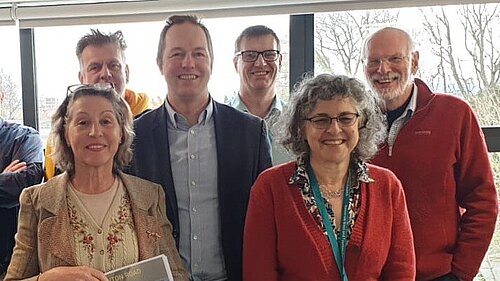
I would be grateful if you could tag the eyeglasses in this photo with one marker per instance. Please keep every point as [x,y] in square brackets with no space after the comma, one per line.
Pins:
[324,122]
[392,60]
[251,56]
[96,87]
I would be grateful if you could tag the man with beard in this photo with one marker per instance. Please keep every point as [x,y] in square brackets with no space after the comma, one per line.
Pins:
[436,148]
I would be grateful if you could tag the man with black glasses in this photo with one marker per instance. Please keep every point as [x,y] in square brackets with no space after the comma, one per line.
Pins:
[257,60]
[21,156]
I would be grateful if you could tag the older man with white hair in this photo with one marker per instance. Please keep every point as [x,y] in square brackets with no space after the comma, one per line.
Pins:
[436,148]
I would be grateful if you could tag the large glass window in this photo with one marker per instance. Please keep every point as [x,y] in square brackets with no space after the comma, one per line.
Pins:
[490,269]
[10,75]
[57,65]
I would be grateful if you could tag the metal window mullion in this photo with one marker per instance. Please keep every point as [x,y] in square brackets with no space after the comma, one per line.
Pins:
[28,77]
[301,47]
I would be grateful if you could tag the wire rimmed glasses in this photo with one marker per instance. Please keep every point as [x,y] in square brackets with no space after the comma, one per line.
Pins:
[392,60]
[324,122]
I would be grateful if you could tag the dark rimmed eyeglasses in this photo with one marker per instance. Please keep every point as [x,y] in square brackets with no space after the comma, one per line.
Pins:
[98,87]
[324,122]
[251,56]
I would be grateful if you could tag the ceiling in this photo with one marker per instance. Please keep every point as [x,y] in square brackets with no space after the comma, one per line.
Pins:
[39,3]
[33,13]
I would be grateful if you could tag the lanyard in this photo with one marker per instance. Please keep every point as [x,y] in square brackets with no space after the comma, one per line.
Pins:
[338,245]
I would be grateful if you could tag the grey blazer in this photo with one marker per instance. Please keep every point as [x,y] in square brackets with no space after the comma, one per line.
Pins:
[44,239]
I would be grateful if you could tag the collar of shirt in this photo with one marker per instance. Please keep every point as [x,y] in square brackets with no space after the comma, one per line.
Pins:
[276,106]
[179,121]
[412,105]
[301,178]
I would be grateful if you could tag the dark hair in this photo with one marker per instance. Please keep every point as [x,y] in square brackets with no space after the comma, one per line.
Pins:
[328,87]
[97,38]
[180,19]
[255,31]
[63,155]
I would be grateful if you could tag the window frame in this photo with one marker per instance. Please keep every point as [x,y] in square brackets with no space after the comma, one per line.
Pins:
[301,62]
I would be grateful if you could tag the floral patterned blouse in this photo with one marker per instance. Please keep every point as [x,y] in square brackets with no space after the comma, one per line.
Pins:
[301,179]
[105,246]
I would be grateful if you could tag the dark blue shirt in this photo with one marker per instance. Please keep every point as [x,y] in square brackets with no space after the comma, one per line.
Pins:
[21,143]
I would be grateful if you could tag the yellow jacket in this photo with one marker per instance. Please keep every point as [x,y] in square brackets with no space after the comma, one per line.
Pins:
[138,102]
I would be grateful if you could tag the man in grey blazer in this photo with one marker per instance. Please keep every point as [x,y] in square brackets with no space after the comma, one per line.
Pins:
[206,155]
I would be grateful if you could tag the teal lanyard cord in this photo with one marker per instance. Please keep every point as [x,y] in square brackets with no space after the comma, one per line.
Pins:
[338,245]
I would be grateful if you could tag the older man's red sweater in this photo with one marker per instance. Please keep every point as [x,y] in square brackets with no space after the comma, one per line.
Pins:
[441,158]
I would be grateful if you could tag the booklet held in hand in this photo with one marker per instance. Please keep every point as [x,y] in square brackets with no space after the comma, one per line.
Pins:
[152,269]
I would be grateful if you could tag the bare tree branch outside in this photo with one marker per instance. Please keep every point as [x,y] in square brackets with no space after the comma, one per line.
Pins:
[11,107]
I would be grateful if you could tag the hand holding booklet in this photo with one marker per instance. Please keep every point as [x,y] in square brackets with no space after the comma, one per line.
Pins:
[152,269]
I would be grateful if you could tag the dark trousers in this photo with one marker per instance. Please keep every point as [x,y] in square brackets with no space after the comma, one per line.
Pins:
[8,221]
[3,269]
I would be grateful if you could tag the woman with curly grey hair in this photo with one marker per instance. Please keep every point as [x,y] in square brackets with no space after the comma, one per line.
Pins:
[329,215]
[92,218]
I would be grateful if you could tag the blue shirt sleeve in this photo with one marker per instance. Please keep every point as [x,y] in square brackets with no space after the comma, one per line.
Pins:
[27,148]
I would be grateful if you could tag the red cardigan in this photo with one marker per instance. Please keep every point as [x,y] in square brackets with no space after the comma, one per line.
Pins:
[283,242]
[441,158]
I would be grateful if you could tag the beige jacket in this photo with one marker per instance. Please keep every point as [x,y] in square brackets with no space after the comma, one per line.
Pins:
[44,239]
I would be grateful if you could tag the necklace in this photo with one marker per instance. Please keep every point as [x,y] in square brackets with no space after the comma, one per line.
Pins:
[329,194]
